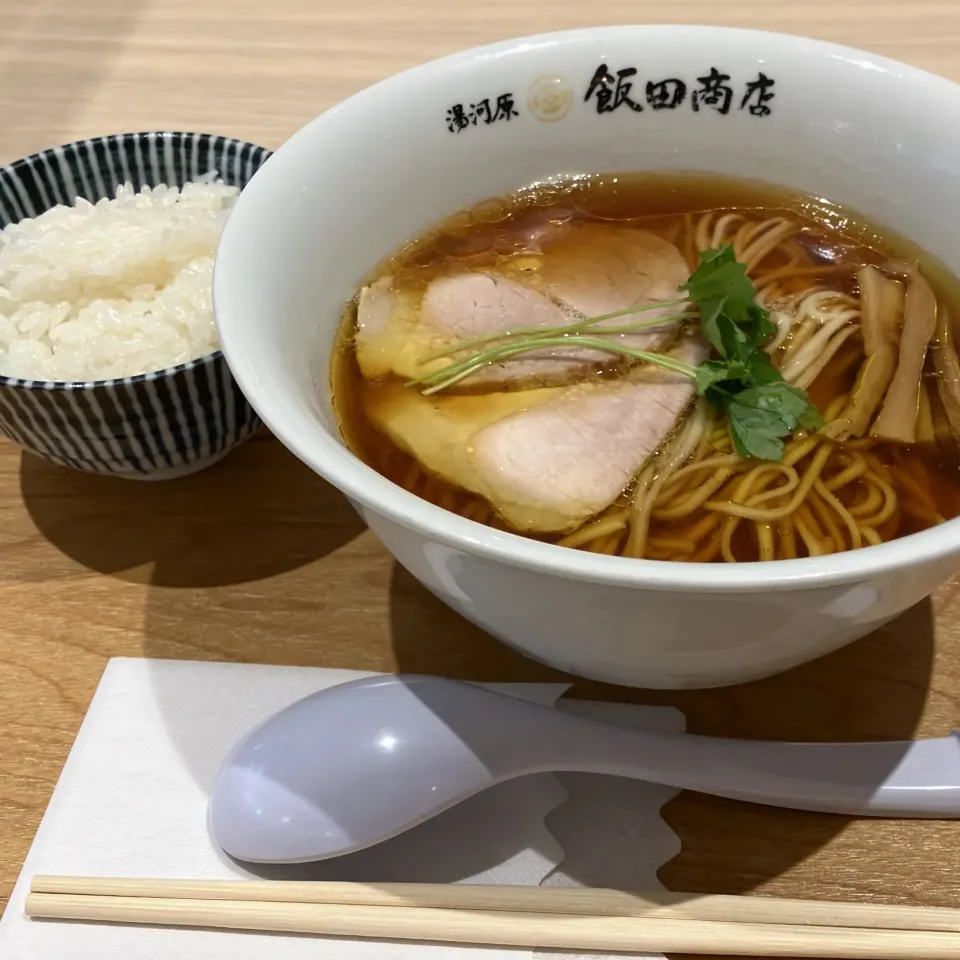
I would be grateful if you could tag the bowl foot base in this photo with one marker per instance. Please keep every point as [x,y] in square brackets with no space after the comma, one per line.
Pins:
[183,470]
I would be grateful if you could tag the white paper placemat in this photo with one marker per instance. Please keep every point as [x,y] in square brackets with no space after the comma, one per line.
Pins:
[132,798]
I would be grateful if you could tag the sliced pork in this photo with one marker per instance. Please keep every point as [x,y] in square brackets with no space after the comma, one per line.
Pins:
[439,430]
[598,269]
[546,459]
[552,467]
[586,272]
[388,329]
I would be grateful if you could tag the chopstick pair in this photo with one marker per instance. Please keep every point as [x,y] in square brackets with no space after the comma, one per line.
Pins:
[554,918]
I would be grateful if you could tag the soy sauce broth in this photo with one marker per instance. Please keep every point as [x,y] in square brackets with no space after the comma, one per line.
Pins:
[502,235]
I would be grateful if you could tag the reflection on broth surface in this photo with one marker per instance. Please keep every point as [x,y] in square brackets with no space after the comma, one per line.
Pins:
[561,378]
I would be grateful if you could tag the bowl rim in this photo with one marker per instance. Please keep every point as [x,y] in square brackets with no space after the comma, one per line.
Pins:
[329,457]
[15,166]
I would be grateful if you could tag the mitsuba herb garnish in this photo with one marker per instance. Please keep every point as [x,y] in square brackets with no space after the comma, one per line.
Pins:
[761,407]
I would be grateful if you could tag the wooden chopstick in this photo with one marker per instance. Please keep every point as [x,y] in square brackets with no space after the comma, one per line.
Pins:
[563,900]
[507,928]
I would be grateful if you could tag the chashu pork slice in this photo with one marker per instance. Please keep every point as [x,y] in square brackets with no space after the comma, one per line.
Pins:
[598,268]
[552,467]
[590,270]
[389,334]
[549,459]
[438,430]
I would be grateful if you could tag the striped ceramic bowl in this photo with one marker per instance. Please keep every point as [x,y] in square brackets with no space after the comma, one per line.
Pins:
[153,426]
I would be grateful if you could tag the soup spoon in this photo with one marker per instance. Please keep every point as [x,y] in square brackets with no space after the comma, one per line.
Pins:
[359,763]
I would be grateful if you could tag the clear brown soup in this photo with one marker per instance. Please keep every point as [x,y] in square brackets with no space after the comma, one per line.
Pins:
[828,246]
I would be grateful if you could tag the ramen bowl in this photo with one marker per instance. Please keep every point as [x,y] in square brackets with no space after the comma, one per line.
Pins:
[375,171]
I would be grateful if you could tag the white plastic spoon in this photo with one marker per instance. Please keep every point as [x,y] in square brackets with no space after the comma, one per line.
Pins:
[359,763]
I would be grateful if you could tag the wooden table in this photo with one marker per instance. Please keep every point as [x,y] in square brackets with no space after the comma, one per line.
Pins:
[258,560]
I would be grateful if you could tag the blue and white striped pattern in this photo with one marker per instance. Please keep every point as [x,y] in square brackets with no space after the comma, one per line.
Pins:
[155,425]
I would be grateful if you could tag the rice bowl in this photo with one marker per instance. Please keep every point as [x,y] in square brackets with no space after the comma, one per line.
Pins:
[115,367]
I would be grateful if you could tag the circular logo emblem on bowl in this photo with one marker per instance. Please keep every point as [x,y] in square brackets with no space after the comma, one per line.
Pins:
[550,99]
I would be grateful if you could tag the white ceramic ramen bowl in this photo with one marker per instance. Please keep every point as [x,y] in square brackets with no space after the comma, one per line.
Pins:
[373,172]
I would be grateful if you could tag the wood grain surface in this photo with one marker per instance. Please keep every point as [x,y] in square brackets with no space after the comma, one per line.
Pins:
[257,560]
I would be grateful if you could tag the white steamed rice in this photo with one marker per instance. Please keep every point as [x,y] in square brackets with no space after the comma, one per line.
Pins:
[112,289]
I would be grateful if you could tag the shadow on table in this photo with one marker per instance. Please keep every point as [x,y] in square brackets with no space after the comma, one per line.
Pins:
[85,38]
[428,637]
[257,514]
[874,689]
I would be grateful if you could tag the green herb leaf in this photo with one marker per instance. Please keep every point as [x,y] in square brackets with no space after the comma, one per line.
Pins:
[761,407]
[710,314]
[720,275]
[811,419]
[758,326]
[754,369]
[713,372]
[735,344]
[787,402]
[755,433]
[760,416]
[760,369]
